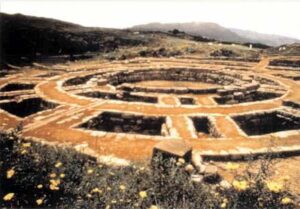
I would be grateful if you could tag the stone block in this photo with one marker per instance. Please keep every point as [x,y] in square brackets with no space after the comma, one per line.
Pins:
[173,149]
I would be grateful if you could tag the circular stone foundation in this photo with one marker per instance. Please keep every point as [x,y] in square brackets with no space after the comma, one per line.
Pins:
[123,109]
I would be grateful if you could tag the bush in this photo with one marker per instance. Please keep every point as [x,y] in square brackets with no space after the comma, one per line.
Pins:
[38,175]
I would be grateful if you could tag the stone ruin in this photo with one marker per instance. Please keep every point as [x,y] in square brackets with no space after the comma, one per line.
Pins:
[225,109]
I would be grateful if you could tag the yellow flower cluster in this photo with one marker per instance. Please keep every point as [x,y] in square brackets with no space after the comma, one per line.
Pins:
[54,184]
[122,188]
[90,171]
[240,185]
[28,144]
[143,194]
[39,201]
[286,200]
[96,190]
[52,175]
[24,147]
[9,197]
[58,164]
[154,207]
[10,173]
[274,186]
[40,186]
[232,166]
[224,203]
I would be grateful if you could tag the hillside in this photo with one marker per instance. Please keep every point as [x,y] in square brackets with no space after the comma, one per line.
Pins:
[26,37]
[218,32]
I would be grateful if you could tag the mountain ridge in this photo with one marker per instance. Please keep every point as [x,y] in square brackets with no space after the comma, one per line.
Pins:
[218,32]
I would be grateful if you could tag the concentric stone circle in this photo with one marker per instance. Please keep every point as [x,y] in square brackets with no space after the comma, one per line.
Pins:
[225,110]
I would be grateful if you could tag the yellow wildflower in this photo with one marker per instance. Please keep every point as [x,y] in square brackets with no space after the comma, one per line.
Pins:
[223,205]
[40,186]
[62,175]
[10,173]
[143,194]
[232,166]
[90,171]
[39,201]
[108,188]
[58,164]
[122,187]
[107,207]
[240,185]
[286,200]
[26,144]
[153,207]
[113,201]
[274,186]
[216,194]
[55,182]
[52,175]
[96,190]
[23,152]
[8,196]
[53,187]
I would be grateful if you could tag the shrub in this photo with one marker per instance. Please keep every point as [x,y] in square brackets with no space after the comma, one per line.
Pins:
[35,175]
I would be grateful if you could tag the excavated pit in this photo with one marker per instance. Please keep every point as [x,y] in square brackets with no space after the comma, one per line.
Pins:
[3,74]
[27,107]
[204,126]
[242,98]
[267,122]
[79,80]
[125,96]
[187,101]
[6,97]
[17,87]
[125,123]
[285,63]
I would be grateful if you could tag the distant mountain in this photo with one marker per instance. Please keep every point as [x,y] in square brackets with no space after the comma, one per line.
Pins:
[269,39]
[208,30]
[218,32]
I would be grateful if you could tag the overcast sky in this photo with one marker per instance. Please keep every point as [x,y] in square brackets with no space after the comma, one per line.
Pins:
[267,16]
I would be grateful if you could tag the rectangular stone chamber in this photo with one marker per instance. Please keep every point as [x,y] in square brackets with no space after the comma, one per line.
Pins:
[204,126]
[17,87]
[267,122]
[125,123]
[27,106]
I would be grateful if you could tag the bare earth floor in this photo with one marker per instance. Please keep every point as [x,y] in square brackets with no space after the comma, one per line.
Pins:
[175,84]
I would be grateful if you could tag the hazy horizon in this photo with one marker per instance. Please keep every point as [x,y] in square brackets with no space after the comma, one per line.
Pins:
[267,17]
